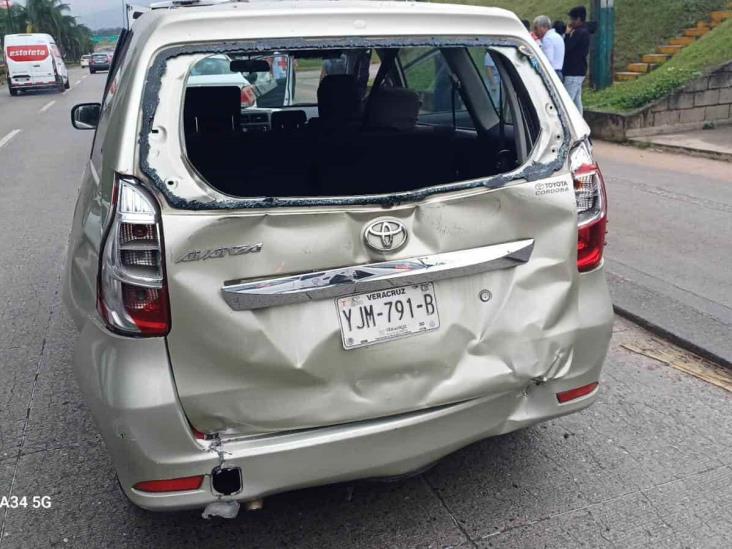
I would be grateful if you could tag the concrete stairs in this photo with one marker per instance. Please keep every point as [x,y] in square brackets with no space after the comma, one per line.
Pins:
[675,45]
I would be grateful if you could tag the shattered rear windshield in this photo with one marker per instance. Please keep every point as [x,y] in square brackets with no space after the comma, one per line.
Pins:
[353,122]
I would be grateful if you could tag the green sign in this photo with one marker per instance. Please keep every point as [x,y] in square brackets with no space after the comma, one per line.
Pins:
[105,39]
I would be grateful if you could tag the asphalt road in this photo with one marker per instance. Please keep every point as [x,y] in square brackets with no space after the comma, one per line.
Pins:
[649,465]
[670,242]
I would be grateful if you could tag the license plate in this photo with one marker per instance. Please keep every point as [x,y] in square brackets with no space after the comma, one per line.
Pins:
[384,315]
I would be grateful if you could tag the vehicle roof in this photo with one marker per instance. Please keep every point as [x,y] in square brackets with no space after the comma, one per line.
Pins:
[34,35]
[321,18]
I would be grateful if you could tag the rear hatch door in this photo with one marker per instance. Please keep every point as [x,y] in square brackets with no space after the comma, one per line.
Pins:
[288,319]
[30,63]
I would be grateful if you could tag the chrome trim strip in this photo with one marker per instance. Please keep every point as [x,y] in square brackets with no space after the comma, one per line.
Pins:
[242,295]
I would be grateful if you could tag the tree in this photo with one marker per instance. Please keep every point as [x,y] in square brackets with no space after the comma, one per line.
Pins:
[12,20]
[51,17]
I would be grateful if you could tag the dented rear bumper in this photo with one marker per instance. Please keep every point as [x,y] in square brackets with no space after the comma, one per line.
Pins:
[131,391]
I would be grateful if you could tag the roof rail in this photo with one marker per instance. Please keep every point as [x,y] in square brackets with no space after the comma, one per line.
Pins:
[170,4]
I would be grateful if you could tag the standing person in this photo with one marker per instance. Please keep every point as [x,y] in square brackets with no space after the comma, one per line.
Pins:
[560,27]
[525,23]
[577,47]
[551,43]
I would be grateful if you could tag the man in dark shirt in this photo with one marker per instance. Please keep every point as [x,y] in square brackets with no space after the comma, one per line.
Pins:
[577,47]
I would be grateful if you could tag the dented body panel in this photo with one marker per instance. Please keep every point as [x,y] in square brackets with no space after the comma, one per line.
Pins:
[274,386]
[132,395]
[284,368]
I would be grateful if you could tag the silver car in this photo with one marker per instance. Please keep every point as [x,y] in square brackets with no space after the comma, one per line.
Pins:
[397,252]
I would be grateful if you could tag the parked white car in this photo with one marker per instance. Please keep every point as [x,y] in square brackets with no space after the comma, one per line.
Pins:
[84,62]
[215,71]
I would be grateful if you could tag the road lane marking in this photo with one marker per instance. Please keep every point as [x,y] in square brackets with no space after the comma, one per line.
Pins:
[47,106]
[5,140]
[77,82]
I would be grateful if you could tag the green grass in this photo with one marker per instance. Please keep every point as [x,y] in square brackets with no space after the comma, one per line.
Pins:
[710,51]
[640,25]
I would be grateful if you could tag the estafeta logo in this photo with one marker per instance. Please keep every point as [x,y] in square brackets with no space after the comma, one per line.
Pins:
[27,53]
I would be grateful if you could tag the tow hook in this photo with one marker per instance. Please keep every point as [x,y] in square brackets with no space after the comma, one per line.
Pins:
[225,481]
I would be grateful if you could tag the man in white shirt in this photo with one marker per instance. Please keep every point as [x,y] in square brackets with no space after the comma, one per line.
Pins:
[551,43]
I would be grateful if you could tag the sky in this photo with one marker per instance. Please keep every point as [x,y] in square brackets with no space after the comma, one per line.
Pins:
[99,13]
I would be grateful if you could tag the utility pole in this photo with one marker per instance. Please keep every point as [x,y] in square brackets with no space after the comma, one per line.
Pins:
[603,43]
[10,17]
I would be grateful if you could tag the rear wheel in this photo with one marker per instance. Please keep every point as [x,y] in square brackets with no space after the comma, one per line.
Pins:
[67,84]
[12,91]
[92,71]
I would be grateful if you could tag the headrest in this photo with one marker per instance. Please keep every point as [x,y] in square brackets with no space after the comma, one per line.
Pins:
[393,108]
[213,99]
[212,109]
[338,98]
[288,120]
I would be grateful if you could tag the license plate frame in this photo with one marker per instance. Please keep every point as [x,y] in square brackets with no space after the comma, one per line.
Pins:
[388,323]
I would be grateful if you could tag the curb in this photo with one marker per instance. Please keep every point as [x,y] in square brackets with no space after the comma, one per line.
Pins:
[699,153]
[672,337]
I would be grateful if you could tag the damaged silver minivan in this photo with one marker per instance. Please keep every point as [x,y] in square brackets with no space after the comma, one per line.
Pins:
[392,247]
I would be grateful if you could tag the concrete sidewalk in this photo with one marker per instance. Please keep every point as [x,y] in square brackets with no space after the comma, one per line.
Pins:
[714,143]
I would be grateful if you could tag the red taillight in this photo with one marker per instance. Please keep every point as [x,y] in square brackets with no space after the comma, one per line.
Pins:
[132,294]
[170,485]
[148,308]
[248,97]
[590,245]
[589,188]
[574,394]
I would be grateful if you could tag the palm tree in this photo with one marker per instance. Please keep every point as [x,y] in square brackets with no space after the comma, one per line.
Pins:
[13,20]
[51,16]
[46,16]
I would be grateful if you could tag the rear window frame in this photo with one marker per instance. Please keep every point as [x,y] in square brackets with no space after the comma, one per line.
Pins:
[530,170]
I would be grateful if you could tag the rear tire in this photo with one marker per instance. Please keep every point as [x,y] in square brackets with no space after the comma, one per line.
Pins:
[92,71]
[67,85]
[12,91]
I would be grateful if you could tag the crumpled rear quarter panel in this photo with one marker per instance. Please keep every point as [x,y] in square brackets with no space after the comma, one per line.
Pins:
[285,368]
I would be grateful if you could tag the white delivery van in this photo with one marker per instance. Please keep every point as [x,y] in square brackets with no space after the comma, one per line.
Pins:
[34,62]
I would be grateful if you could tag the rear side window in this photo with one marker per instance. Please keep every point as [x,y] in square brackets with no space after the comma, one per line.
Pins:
[353,122]
[427,73]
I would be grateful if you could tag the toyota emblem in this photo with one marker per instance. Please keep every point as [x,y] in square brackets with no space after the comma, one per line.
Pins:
[385,235]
